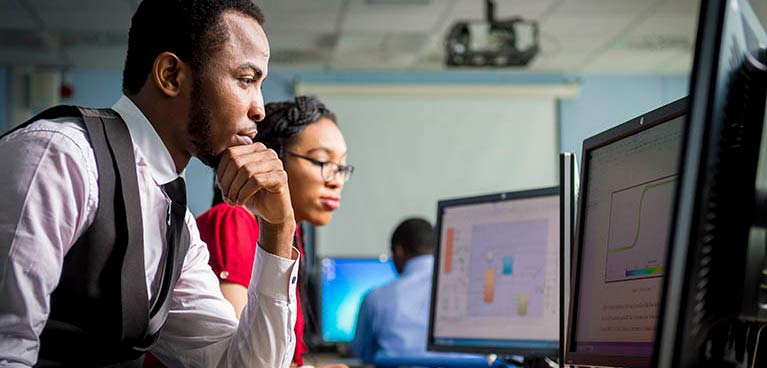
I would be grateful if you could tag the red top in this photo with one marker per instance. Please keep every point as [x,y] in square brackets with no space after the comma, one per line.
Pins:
[231,233]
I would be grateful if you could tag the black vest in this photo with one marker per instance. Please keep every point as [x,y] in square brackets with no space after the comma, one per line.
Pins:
[99,312]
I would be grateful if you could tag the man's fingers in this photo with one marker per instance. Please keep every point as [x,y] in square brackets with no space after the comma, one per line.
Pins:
[238,151]
[272,181]
[248,171]
[233,161]
[246,148]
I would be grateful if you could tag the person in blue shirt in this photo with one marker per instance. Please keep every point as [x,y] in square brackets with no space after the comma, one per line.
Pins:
[394,318]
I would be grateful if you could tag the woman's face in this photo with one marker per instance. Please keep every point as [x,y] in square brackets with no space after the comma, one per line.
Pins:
[314,199]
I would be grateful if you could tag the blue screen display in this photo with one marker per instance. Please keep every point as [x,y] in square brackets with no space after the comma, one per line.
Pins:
[345,282]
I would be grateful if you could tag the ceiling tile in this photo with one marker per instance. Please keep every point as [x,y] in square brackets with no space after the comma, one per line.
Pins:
[13,16]
[475,9]
[586,25]
[362,16]
[668,24]
[84,14]
[301,40]
[605,7]
[760,7]
[300,6]
[576,35]
[679,7]
[93,20]
[304,22]
[376,50]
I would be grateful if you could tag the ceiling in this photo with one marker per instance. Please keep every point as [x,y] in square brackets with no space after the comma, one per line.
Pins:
[577,36]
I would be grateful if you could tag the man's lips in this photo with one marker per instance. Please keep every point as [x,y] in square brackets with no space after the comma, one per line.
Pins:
[239,140]
[243,139]
[331,203]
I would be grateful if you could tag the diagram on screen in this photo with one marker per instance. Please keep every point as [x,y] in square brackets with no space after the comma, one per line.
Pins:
[640,217]
[507,268]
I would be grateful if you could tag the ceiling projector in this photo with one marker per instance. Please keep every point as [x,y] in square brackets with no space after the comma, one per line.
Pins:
[492,43]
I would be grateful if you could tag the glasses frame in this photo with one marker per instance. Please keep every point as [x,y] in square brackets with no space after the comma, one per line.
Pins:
[322,164]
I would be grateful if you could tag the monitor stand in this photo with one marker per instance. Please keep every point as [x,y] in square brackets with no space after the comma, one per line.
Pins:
[535,363]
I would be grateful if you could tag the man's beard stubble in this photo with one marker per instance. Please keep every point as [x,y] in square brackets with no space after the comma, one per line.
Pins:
[200,122]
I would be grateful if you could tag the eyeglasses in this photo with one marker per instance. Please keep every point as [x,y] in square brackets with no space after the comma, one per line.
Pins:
[329,169]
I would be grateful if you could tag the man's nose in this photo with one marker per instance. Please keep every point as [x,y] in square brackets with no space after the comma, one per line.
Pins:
[257,112]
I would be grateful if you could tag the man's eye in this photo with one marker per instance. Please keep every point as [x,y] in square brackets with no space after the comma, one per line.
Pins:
[247,80]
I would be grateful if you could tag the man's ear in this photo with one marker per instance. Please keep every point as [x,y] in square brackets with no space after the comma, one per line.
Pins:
[397,251]
[168,73]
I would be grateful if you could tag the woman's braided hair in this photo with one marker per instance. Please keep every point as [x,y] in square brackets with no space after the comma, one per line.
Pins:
[284,120]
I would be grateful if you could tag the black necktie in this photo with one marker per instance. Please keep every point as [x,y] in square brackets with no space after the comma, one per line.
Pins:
[176,190]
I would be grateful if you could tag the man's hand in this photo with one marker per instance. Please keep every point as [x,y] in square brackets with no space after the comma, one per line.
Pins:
[252,176]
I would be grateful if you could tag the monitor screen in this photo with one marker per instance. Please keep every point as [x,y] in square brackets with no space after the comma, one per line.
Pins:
[625,211]
[496,279]
[345,282]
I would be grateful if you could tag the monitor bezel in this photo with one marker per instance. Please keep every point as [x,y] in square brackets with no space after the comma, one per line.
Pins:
[568,194]
[675,345]
[490,198]
[320,273]
[636,125]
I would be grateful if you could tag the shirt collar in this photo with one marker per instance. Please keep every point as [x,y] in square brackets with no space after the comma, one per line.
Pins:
[425,262]
[148,141]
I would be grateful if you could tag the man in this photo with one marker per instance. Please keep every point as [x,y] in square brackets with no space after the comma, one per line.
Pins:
[393,319]
[191,85]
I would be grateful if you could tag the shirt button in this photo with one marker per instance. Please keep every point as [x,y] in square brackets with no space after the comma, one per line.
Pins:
[224,275]
[293,280]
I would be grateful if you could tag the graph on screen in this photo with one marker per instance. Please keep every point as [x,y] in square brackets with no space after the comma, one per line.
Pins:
[507,268]
[640,217]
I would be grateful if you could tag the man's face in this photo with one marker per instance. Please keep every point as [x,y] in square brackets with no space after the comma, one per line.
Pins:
[226,95]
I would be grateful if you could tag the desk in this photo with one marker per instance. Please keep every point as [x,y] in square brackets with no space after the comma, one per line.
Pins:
[316,359]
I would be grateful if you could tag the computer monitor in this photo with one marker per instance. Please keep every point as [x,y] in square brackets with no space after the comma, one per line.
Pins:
[628,181]
[568,194]
[344,284]
[715,279]
[496,279]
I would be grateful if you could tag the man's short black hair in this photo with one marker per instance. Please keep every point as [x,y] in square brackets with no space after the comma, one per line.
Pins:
[415,235]
[191,29]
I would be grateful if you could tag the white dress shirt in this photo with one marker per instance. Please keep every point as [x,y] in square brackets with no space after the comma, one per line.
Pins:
[49,197]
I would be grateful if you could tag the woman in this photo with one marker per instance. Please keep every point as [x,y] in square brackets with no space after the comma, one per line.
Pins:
[306,137]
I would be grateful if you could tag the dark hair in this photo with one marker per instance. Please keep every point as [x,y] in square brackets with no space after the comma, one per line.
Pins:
[283,122]
[415,235]
[191,29]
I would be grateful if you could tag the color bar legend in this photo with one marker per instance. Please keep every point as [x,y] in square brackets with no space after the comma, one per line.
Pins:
[448,265]
[644,271]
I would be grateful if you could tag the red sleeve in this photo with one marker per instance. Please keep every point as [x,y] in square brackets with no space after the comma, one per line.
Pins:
[231,233]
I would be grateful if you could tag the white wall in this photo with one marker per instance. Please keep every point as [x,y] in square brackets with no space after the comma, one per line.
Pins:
[411,152]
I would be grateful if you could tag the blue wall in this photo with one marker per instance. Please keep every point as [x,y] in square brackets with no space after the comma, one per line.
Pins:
[606,101]
[95,88]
